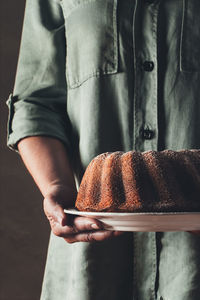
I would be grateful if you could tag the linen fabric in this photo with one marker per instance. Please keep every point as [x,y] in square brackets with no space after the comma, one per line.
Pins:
[110,75]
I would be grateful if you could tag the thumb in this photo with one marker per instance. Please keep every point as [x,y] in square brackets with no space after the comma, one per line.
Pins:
[60,215]
[54,210]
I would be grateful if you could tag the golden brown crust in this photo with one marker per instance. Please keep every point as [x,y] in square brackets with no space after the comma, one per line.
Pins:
[140,182]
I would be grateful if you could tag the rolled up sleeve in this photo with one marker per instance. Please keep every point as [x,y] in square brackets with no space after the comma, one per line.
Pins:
[37,105]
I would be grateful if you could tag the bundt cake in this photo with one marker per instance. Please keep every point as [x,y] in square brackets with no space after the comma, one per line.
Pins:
[151,181]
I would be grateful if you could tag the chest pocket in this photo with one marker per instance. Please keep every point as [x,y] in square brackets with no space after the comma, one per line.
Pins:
[91,38]
[190,36]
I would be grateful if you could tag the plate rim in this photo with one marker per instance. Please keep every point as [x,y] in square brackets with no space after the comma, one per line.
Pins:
[74,211]
[145,222]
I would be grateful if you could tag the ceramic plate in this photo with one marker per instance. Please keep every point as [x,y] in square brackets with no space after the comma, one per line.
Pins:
[184,221]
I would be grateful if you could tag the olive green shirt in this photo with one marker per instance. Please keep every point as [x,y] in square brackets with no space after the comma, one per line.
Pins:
[109,75]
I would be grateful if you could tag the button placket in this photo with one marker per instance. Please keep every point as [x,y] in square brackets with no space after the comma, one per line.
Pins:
[146,123]
[146,94]
[152,101]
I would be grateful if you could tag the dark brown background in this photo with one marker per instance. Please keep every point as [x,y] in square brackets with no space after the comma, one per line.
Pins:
[23,226]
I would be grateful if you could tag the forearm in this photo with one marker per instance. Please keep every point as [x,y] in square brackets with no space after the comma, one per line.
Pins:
[46,160]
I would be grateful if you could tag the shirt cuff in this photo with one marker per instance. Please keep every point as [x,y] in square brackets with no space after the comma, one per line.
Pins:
[32,120]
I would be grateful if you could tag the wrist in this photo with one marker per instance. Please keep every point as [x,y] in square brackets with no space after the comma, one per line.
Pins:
[60,185]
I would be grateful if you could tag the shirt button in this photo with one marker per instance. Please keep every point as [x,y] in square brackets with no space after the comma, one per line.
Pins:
[148,66]
[147,134]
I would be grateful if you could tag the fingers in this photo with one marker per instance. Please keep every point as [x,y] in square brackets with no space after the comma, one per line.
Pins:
[85,224]
[62,224]
[92,236]
[74,229]
[83,230]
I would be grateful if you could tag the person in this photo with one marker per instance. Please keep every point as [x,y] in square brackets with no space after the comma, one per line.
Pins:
[96,76]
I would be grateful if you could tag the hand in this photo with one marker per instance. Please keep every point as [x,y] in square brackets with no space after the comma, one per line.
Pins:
[72,229]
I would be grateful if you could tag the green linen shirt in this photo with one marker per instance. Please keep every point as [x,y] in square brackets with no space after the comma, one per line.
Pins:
[109,75]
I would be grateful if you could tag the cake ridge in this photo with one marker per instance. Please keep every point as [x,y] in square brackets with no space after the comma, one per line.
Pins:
[187,178]
[92,183]
[146,186]
[129,183]
[107,177]
[156,173]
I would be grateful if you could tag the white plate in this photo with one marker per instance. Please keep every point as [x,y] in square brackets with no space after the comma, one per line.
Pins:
[180,221]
